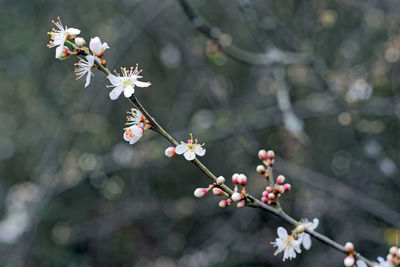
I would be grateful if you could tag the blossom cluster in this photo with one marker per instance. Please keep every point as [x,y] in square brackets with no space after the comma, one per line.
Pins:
[290,245]
[274,190]
[392,258]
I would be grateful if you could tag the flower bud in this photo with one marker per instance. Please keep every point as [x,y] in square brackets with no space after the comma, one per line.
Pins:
[270,154]
[349,261]
[62,53]
[280,179]
[279,189]
[240,204]
[260,169]
[200,192]
[349,247]
[223,203]
[393,251]
[265,194]
[287,187]
[271,196]
[218,191]
[80,42]
[235,178]
[269,189]
[242,179]
[170,152]
[299,229]
[220,180]
[262,154]
[264,199]
[236,197]
[270,162]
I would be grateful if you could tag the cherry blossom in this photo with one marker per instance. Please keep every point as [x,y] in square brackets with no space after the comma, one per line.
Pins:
[286,243]
[85,67]
[190,149]
[61,34]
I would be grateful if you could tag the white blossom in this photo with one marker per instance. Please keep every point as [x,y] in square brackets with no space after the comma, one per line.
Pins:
[137,124]
[61,34]
[286,243]
[126,83]
[62,52]
[383,263]
[190,149]
[304,238]
[97,47]
[133,133]
[85,67]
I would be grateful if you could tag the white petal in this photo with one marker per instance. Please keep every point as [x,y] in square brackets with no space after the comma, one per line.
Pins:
[89,74]
[180,149]
[105,46]
[59,51]
[142,84]
[114,94]
[361,263]
[282,233]
[90,60]
[199,150]
[115,80]
[128,91]
[296,246]
[95,45]
[133,134]
[315,223]
[306,241]
[189,155]
[73,31]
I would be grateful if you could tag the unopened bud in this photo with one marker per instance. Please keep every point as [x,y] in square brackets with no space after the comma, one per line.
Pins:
[264,193]
[170,152]
[349,247]
[287,187]
[220,180]
[270,162]
[299,229]
[260,169]
[271,154]
[262,154]
[200,192]
[240,204]
[393,251]
[218,191]
[236,197]
[269,189]
[242,180]
[80,42]
[235,178]
[271,196]
[223,203]
[280,179]
[349,261]
[279,189]
[62,53]
[264,199]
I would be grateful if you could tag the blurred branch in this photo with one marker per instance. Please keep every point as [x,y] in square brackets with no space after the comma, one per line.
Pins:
[224,41]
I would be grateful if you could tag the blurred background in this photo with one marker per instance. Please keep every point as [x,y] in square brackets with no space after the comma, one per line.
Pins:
[316,81]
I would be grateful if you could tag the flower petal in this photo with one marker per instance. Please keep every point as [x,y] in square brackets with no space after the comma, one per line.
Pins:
[189,155]
[306,241]
[73,31]
[89,75]
[95,45]
[199,150]
[59,51]
[315,223]
[90,60]
[180,149]
[114,94]
[361,263]
[133,134]
[115,80]
[282,233]
[142,84]
[128,91]
[105,46]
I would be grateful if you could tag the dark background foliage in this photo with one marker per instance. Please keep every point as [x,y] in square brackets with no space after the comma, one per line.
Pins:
[73,193]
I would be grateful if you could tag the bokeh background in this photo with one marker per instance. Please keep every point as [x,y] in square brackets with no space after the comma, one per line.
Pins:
[316,81]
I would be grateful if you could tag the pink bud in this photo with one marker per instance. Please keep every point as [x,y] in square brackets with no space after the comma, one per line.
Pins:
[279,189]
[280,180]
[349,261]
[349,247]
[190,141]
[218,191]
[287,187]
[271,196]
[223,203]
[236,197]
[220,180]
[200,192]
[262,154]
[264,199]
[170,152]
[242,180]
[235,178]
[270,154]
[393,251]
[264,193]
[260,169]
[269,189]
[240,204]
